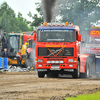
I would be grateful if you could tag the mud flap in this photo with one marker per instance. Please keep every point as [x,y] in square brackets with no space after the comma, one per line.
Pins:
[97,64]
[91,60]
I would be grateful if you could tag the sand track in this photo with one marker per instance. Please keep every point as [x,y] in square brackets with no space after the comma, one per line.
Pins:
[27,86]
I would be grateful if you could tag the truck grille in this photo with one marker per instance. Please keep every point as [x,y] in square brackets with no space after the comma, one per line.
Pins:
[55,52]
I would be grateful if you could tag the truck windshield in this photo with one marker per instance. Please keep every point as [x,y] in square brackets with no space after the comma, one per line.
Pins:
[56,36]
[13,43]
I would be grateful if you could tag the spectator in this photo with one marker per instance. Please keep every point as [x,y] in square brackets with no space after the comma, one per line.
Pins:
[5,53]
[19,58]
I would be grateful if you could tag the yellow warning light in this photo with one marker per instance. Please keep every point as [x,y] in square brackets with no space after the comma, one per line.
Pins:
[12,32]
[23,33]
[75,60]
[45,23]
[66,23]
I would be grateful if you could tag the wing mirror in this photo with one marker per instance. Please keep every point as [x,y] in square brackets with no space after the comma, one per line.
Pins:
[79,37]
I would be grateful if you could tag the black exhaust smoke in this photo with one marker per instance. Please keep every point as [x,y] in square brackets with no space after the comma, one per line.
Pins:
[47,6]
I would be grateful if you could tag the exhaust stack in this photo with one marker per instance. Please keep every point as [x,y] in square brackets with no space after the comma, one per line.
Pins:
[47,6]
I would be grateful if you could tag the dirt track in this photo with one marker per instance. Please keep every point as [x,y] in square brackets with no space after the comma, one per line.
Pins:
[27,86]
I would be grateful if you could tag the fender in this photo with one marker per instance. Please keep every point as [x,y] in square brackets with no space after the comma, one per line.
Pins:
[83,58]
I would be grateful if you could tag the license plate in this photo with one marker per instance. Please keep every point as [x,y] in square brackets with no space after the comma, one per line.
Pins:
[55,67]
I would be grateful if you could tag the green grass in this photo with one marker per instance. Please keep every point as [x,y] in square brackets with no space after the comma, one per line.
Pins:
[94,96]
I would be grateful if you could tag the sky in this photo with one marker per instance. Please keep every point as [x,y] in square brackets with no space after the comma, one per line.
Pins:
[23,6]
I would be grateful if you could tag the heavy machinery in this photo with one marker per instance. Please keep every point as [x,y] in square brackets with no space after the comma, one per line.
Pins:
[3,40]
[90,53]
[20,40]
[57,49]
[27,37]
[13,43]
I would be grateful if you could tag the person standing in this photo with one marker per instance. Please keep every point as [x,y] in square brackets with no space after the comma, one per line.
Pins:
[19,58]
[5,53]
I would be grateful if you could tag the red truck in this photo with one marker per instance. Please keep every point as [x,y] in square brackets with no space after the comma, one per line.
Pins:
[57,49]
[90,53]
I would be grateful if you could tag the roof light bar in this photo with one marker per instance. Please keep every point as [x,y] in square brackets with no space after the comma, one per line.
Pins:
[56,24]
[62,24]
[70,24]
[66,23]
[45,23]
[49,24]
[12,32]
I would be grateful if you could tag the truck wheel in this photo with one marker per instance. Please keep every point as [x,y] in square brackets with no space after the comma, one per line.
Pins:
[76,73]
[41,74]
[87,71]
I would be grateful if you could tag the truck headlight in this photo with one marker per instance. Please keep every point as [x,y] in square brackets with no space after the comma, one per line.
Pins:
[52,61]
[70,60]
[48,62]
[39,65]
[70,65]
[40,60]
[56,61]
[61,62]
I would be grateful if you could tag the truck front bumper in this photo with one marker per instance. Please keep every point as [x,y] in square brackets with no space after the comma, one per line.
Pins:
[57,66]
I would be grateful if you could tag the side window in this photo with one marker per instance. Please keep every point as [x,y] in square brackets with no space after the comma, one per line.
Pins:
[77,35]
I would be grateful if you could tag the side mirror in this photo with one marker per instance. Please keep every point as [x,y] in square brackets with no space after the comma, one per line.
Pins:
[79,37]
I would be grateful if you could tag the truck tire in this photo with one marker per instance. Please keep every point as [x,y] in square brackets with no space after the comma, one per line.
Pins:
[76,73]
[41,74]
[87,71]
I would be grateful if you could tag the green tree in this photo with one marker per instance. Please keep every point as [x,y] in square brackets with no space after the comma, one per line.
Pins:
[37,18]
[22,23]
[83,13]
[9,22]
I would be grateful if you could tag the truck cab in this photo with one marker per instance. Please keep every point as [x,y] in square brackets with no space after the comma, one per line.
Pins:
[57,49]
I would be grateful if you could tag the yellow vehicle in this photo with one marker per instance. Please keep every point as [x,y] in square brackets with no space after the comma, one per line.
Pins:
[15,42]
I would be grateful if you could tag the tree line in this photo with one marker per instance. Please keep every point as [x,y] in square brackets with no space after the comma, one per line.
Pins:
[9,22]
[84,13]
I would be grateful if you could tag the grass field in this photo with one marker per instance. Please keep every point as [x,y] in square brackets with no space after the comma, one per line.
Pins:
[94,96]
